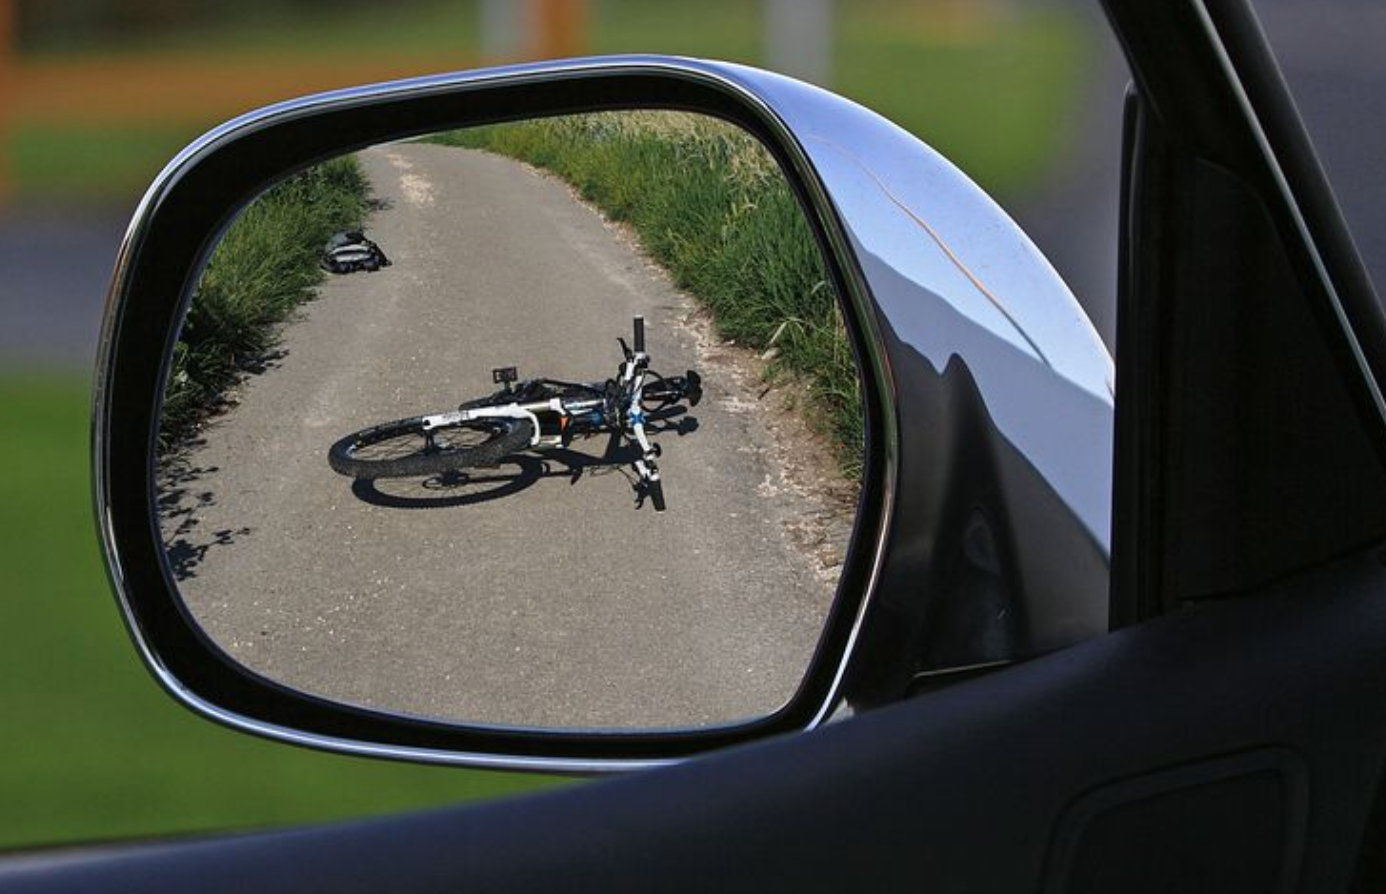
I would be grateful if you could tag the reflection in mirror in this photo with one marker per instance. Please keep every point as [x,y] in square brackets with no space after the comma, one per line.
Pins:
[551,424]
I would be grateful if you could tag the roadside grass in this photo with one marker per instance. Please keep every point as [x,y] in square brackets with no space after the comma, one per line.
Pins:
[91,749]
[265,266]
[710,204]
[995,91]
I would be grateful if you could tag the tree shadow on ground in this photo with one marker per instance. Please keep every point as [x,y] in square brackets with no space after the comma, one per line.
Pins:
[181,497]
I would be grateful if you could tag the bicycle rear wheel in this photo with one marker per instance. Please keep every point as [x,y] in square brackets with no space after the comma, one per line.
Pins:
[403,449]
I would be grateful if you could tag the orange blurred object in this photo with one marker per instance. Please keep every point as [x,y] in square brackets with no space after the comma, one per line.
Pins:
[560,28]
[7,93]
[124,90]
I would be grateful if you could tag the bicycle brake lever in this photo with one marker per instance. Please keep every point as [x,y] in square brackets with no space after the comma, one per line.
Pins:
[625,349]
[693,387]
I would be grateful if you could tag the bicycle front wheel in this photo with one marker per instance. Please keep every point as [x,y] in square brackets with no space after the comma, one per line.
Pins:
[403,449]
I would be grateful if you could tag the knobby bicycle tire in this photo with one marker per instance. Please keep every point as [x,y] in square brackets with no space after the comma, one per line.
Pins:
[401,449]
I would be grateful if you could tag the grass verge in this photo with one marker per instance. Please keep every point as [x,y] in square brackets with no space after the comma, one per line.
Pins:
[92,750]
[266,265]
[727,228]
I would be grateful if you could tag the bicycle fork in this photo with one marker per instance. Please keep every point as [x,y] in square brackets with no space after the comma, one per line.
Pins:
[646,465]
[633,376]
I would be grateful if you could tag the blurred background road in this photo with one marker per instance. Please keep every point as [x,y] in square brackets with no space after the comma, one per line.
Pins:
[95,95]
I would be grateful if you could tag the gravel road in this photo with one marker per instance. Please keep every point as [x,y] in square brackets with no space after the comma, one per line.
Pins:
[535,594]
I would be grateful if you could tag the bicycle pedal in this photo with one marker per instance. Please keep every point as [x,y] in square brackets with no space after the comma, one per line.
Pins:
[504,375]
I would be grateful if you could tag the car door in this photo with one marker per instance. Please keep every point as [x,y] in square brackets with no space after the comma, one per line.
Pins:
[1226,735]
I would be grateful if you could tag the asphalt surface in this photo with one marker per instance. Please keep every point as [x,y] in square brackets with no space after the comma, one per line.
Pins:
[535,594]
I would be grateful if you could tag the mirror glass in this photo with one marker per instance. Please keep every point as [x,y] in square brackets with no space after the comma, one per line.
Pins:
[551,424]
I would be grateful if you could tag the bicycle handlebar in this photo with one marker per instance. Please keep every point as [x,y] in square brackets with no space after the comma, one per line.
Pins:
[639,335]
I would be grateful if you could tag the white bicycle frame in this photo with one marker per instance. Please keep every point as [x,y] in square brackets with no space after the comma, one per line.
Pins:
[632,380]
[633,370]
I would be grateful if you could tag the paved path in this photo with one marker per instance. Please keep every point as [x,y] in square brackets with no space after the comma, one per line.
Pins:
[541,596]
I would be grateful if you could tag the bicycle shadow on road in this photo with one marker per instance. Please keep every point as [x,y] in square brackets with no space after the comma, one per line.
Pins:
[515,473]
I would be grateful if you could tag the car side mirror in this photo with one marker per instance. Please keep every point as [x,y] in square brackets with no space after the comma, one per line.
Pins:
[278,577]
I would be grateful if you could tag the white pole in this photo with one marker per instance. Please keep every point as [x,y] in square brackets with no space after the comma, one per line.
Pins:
[502,29]
[799,38]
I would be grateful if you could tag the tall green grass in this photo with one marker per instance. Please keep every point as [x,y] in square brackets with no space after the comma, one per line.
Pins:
[264,268]
[710,204]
